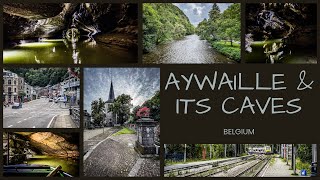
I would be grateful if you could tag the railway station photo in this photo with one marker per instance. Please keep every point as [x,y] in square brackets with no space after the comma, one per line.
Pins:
[240,160]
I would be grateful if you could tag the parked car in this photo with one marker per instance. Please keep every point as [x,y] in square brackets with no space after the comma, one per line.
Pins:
[62,99]
[51,100]
[16,105]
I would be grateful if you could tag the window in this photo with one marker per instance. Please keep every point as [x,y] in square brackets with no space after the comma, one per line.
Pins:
[9,82]
[14,82]
[15,89]
[9,89]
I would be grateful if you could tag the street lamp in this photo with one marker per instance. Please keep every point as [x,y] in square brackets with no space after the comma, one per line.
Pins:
[185,152]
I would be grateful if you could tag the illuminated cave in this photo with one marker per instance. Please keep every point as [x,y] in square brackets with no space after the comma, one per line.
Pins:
[28,150]
[79,32]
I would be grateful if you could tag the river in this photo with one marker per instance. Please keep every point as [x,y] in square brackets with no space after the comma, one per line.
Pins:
[188,50]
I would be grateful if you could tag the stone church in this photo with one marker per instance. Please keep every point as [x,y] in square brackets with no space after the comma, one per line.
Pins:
[110,118]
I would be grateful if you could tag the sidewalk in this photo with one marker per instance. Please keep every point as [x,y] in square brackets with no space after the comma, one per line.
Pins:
[116,157]
[278,169]
[63,121]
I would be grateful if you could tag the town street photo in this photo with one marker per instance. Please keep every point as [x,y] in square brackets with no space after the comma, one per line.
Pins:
[41,98]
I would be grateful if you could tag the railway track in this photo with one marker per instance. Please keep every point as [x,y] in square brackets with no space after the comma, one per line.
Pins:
[255,169]
[206,169]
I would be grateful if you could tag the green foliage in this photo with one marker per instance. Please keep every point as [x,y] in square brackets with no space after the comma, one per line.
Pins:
[222,27]
[303,165]
[97,113]
[163,22]
[121,107]
[124,131]
[233,52]
[195,151]
[41,76]
[153,104]
[304,152]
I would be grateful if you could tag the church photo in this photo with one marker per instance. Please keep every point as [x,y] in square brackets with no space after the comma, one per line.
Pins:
[121,122]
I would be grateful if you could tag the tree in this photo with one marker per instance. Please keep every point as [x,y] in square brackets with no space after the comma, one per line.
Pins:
[154,105]
[42,76]
[121,107]
[97,113]
[163,22]
[229,24]
[143,112]
[214,13]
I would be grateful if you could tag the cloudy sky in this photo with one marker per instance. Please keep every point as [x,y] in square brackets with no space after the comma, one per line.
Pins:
[196,12]
[140,83]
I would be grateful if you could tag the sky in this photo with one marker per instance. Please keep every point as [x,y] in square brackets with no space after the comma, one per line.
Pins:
[196,12]
[140,83]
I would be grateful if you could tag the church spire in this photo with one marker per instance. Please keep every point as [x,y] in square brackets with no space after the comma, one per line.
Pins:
[111,93]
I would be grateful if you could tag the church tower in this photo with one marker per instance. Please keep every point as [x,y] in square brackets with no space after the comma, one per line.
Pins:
[110,118]
[111,93]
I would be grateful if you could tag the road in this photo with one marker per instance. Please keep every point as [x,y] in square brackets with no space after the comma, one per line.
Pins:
[191,50]
[34,114]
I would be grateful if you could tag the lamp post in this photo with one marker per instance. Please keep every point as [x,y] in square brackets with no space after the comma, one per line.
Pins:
[185,153]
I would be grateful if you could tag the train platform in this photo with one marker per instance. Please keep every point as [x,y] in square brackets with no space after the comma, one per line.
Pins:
[278,168]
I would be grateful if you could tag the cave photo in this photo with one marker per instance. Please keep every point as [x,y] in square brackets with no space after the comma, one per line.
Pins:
[281,33]
[41,154]
[70,33]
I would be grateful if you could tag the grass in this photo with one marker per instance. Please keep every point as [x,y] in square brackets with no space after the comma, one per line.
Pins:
[272,161]
[302,165]
[124,130]
[225,48]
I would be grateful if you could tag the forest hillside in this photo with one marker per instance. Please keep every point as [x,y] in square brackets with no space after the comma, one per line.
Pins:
[163,22]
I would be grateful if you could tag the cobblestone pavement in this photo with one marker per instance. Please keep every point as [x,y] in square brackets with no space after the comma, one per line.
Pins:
[116,157]
[150,167]
[110,159]
[93,137]
[278,169]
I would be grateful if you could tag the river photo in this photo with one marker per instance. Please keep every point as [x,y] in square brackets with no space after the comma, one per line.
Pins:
[281,33]
[190,49]
[70,33]
[191,33]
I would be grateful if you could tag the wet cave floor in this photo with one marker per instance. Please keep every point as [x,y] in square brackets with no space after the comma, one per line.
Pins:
[69,166]
[292,54]
[60,51]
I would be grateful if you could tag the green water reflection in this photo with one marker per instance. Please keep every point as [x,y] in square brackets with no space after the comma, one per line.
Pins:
[68,165]
[298,55]
[59,51]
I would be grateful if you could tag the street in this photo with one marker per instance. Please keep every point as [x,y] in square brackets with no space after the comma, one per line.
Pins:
[38,113]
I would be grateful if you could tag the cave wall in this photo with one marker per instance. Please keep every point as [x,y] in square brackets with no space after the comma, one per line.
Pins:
[51,19]
[302,17]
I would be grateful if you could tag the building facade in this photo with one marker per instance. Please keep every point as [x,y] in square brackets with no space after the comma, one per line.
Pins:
[12,85]
[71,89]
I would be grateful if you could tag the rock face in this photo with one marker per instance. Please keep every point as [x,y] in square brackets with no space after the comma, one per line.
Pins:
[42,143]
[33,11]
[52,20]
[295,22]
